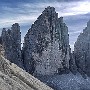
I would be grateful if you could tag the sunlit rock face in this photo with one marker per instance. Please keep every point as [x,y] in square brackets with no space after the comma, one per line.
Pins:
[82,51]
[46,45]
[11,41]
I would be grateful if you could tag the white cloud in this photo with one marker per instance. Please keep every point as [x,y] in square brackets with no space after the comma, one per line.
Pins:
[6,22]
[81,8]
[28,12]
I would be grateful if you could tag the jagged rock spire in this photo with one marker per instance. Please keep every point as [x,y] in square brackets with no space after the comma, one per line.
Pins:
[46,45]
[11,41]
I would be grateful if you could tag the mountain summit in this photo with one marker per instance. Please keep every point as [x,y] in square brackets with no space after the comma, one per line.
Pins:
[46,45]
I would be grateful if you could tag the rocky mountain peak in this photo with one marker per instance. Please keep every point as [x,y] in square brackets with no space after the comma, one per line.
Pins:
[15,25]
[46,44]
[48,14]
[11,41]
[49,10]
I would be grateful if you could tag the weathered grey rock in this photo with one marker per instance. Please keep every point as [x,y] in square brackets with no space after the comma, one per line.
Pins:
[46,45]
[72,64]
[14,78]
[11,41]
[82,51]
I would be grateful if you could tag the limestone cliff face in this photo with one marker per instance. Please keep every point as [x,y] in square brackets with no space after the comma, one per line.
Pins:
[46,45]
[82,51]
[11,41]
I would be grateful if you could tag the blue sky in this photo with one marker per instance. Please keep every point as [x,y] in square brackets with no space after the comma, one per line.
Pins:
[76,14]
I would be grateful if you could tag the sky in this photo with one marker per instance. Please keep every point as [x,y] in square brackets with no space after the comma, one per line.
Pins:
[76,14]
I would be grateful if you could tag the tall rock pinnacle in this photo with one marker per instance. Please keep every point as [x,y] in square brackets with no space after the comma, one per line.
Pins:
[82,51]
[46,45]
[11,41]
